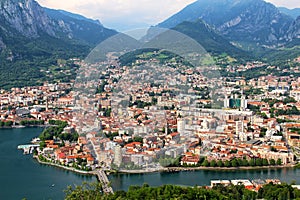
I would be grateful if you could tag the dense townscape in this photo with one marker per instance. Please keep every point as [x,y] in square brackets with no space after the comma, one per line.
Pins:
[210,94]
[243,123]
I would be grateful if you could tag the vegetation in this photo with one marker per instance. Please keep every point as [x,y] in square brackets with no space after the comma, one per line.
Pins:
[6,124]
[32,122]
[89,191]
[34,63]
[56,131]
[254,162]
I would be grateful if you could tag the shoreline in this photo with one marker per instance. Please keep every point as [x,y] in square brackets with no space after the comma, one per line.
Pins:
[181,169]
[167,169]
[21,127]
[64,167]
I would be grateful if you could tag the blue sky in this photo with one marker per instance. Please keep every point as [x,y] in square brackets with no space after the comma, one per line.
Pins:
[130,14]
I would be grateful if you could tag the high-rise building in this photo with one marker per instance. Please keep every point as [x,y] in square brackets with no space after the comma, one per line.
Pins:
[118,155]
[181,126]
[240,131]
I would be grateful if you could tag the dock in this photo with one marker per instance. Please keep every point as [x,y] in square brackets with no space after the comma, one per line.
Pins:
[104,181]
[27,148]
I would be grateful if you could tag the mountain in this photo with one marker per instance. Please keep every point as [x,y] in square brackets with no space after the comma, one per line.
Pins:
[79,27]
[295,13]
[242,21]
[32,38]
[209,39]
[294,30]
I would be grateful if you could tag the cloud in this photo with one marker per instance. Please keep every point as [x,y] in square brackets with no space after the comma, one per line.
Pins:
[285,3]
[130,14]
[121,13]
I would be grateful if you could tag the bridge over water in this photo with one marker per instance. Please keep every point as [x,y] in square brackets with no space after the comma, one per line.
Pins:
[104,181]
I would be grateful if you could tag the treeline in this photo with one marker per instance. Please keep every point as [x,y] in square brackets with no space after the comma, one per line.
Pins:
[270,191]
[32,122]
[6,123]
[253,162]
[236,162]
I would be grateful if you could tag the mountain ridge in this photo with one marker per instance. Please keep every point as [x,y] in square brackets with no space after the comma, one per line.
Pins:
[31,41]
[253,21]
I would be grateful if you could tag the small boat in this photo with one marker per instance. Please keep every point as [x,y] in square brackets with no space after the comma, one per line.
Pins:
[52,185]
[35,140]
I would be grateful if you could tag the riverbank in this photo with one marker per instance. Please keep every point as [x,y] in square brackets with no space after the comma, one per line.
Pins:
[178,169]
[65,167]
[169,169]
[28,126]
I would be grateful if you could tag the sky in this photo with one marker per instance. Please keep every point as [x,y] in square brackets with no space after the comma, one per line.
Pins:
[124,15]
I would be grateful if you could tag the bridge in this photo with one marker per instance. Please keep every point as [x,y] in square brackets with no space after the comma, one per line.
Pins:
[104,181]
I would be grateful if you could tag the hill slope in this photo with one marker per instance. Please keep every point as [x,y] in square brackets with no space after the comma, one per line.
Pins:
[253,21]
[31,40]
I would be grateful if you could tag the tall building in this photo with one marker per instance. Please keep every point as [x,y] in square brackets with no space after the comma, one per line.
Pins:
[118,155]
[243,103]
[240,131]
[226,102]
[181,126]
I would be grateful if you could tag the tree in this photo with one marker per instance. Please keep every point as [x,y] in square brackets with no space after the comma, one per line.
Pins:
[265,162]
[87,191]
[278,162]
[258,162]
[213,163]
[245,162]
[272,162]
[252,162]
[234,163]
[205,163]
[8,123]
[227,164]
[220,163]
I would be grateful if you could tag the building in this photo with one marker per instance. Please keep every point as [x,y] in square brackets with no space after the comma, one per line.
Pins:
[240,131]
[118,155]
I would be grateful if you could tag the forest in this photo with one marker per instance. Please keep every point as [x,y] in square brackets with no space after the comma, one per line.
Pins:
[270,191]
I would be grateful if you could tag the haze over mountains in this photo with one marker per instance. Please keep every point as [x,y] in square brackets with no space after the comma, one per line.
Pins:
[32,37]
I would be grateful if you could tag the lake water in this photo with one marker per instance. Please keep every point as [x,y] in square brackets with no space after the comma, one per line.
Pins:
[22,177]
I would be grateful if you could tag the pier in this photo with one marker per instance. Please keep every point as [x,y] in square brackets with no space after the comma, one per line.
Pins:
[27,148]
[104,181]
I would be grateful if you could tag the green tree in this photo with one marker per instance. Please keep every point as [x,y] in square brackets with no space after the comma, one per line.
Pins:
[265,162]
[258,162]
[272,162]
[245,162]
[8,123]
[234,163]
[220,163]
[86,191]
[279,161]
[213,163]
[227,163]
[252,162]
[205,163]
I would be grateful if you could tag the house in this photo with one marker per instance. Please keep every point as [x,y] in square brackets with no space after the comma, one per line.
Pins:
[190,159]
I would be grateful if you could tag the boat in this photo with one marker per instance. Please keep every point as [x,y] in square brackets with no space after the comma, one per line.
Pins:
[18,126]
[35,140]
